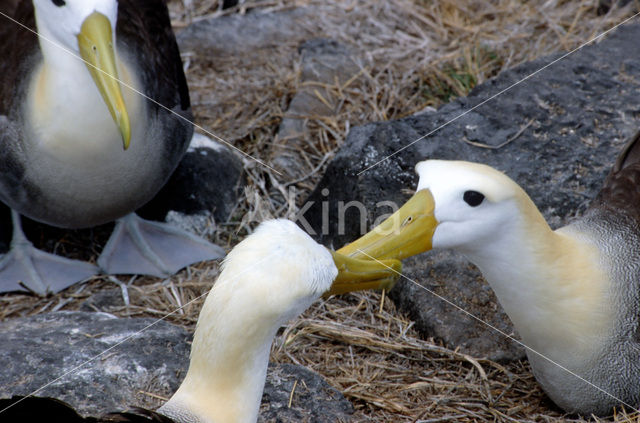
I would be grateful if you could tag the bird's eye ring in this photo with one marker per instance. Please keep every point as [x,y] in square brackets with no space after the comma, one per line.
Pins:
[59,3]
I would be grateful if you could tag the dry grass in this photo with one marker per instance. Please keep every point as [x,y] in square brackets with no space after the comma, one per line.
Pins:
[415,54]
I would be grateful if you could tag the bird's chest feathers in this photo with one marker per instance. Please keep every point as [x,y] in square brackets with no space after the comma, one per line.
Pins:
[68,119]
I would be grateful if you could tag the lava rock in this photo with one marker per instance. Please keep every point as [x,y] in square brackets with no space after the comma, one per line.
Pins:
[105,301]
[208,181]
[296,394]
[434,285]
[59,352]
[556,133]
[241,33]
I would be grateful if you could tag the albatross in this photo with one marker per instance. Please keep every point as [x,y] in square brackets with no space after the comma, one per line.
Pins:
[94,117]
[268,279]
[573,294]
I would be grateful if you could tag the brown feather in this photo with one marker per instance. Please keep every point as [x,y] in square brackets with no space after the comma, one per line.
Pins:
[620,192]
[37,409]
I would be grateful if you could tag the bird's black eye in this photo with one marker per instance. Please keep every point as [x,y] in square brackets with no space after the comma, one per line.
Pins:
[473,198]
[58,3]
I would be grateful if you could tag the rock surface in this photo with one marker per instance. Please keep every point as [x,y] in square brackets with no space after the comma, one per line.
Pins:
[556,134]
[207,181]
[296,394]
[233,34]
[40,349]
[326,66]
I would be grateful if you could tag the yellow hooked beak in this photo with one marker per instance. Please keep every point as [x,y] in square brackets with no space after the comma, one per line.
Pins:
[95,42]
[355,274]
[405,233]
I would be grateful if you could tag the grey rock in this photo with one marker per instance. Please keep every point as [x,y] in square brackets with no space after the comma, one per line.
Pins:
[208,181]
[202,224]
[48,348]
[312,398]
[557,134]
[105,301]
[325,63]
[60,350]
[447,275]
[235,34]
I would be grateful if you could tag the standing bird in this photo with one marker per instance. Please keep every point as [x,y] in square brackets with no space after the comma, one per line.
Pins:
[267,279]
[573,294]
[94,118]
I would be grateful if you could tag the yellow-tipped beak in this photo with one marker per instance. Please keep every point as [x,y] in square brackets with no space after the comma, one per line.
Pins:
[356,275]
[95,42]
[405,233]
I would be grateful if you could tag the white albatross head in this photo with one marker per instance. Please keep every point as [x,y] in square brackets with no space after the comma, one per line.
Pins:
[459,205]
[279,269]
[267,279]
[61,20]
[474,204]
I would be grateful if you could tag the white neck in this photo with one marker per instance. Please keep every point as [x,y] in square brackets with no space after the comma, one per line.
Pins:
[267,279]
[229,359]
[552,287]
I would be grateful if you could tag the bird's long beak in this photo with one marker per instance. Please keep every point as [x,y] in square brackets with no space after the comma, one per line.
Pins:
[405,233]
[95,42]
[356,274]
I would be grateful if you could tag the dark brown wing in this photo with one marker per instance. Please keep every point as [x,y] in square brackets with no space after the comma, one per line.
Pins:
[17,48]
[144,26]
[7,7]
[137,415]
[34,409]
[629,155]
[8,11]
[621,189]
[20,409]
[144,30]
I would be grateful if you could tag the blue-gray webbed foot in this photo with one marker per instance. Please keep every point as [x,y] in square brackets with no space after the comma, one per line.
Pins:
[25,268]
[143,247]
